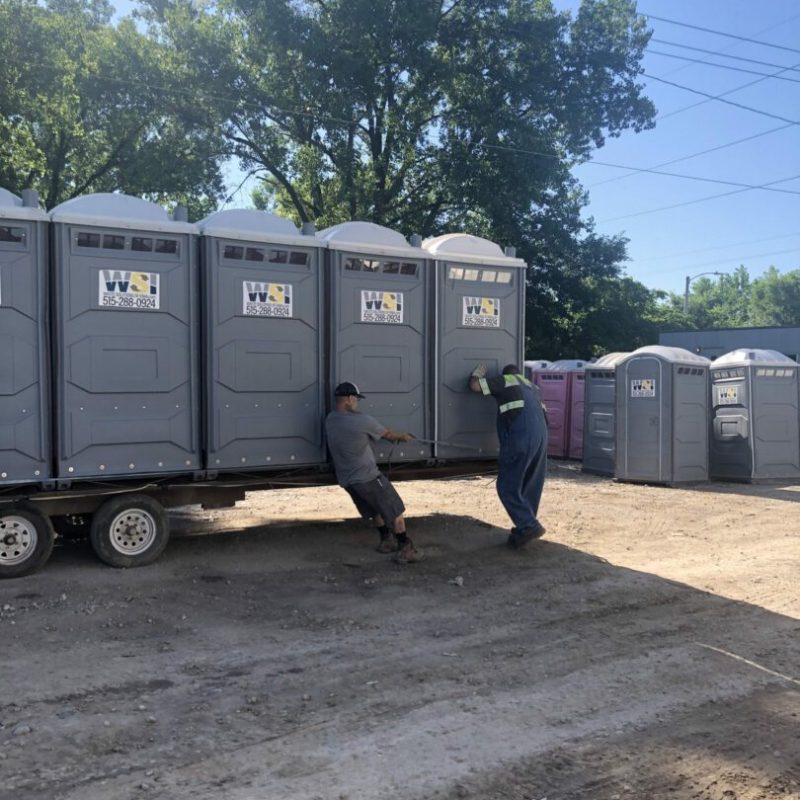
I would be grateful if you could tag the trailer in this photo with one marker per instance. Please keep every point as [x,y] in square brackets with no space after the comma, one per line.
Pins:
[147,363]
[127,522]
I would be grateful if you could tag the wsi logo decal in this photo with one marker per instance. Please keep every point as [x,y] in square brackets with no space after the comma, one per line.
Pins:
[382,307]
[132,290]
[481,312]
[267,299]
[643,387]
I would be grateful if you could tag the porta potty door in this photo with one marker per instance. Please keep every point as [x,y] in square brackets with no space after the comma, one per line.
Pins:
[127,341]
[731,451]
[576,414]
[689,444]
[643,419]
[775,434]
[599,432]
[480,317]
[554,385]
[265,402]
[380,342]
[24,404]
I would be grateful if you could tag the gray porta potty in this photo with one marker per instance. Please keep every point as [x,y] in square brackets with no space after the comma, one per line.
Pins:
[263,342]
[25,451]
[599,412]
[126,339]
[380,306]
[755,429]
[662,416]
[480,318]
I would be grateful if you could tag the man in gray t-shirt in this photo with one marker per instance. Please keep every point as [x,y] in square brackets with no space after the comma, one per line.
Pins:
[349,434]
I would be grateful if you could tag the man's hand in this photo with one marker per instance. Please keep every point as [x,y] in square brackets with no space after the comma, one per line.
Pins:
[398,436]
[479,371]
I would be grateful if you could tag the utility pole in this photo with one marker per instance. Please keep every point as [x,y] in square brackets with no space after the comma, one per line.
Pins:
[686,289]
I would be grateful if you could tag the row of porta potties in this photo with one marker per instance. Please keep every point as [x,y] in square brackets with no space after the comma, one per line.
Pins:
[665,415]
[133,343]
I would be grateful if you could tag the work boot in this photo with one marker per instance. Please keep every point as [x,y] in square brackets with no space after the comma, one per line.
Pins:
[520,537]
[388,544]
[408,554]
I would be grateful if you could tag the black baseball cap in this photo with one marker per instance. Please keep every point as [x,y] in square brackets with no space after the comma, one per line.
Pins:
[347,389]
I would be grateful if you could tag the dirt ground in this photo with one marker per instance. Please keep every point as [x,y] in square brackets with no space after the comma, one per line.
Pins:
[648,647]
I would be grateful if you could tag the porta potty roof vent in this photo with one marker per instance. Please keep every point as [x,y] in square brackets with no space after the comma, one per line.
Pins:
[253,225]
[118,211]
[11,207]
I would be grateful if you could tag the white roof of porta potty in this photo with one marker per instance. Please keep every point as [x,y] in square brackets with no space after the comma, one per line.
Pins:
[470,249]
[106,210]
[541,363]
[568,364]
[369,239]
[254,226]
[675,355]
[11,207]
[745,357]
[609,360]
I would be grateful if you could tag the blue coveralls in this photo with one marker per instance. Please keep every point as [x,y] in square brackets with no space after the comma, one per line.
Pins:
[522,461]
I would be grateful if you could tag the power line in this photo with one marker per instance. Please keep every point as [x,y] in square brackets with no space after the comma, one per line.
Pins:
[728,67]
[738,259]
[707,100]
[744,186]
[720,99]
[722,54]
[694,202]
[695,155]
[735,88]
[719,33]
[725,246]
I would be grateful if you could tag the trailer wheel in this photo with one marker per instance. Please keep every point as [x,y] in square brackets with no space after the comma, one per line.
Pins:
[26,541]
[129,531]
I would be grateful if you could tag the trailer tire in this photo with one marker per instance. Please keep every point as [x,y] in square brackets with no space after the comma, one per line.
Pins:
[129,531]
[26,541]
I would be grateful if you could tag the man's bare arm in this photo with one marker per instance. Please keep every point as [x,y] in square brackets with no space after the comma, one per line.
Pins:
[397,436]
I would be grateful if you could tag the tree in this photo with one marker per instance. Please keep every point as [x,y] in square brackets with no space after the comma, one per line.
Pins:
[435,115]
[430,115]
[775,298]
[83,108]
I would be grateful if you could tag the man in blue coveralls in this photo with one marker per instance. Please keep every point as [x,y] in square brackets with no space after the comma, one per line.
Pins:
[522,461]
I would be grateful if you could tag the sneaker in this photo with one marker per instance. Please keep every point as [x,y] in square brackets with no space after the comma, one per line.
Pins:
[408,554]
[388,544]
[520,537]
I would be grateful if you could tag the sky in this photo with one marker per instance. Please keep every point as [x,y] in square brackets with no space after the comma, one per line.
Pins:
[671,236]
[674,226]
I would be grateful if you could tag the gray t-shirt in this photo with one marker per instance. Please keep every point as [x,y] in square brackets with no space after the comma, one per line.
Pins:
[349,434]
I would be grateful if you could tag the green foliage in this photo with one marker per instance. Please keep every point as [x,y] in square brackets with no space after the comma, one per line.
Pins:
[82,108]
[432,116]
[775,299]
[427,116]
[736,301]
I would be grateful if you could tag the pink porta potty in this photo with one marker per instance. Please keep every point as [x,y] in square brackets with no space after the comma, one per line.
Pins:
[577,384]
[554,386]
[562,386]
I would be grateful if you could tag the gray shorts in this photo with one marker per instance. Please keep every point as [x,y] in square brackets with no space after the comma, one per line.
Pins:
[377,497]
